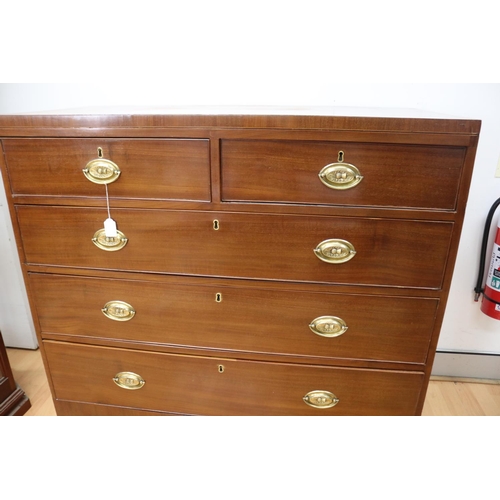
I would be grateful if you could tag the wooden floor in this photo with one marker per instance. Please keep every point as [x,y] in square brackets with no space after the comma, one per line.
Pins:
[444,397]
[29,374]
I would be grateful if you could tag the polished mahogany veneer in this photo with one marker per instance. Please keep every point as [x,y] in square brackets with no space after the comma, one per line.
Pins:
[388,252]
[269,262]
[160,169]
[394,175]
[252,320]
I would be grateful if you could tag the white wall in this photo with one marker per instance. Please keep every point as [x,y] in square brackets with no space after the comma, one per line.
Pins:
[16,324]
[465,327]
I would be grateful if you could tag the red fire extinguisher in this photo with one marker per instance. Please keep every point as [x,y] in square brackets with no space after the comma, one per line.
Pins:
[490,304]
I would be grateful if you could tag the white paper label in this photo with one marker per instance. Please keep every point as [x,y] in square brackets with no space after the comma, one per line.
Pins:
[110,228]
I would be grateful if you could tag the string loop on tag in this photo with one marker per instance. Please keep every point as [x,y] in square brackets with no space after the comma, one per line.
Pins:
[109,223]
[107,201]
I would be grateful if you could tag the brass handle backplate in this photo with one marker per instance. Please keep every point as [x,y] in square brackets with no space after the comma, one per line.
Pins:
[328,326]
[101,171]
[118,310]
[321,399]
[335,251]
[340,175]
[109,243]
[129,380]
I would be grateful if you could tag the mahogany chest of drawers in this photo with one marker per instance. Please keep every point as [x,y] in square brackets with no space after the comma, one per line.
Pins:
[263,263]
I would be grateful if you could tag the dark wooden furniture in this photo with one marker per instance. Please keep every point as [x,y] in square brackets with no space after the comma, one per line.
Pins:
[13,400]
[265,264]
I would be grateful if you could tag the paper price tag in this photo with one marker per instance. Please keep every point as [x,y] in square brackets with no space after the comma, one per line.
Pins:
[110,228]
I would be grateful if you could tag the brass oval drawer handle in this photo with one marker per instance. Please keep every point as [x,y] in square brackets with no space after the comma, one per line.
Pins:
[335,251]
[340,176]
[129,380]
[101,171]
[109,243]
[328,326]
[118,310]
[321,399]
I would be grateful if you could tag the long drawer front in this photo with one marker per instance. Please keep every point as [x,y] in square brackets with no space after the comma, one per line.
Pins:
[359,251]
[232,318]
[219,386]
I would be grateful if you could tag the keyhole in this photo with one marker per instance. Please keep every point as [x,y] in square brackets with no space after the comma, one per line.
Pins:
[341,156]
[220,368]
[99,152]
[216,225]
[218,297]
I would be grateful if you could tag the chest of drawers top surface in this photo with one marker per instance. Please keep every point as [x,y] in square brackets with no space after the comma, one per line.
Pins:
[262,253]
[90,120]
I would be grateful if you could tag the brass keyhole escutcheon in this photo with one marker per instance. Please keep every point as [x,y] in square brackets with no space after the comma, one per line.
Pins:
[216,225]
[341,157]
[220,368]
[218,297]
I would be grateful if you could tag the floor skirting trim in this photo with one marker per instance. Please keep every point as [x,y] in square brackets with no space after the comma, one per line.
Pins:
[466,365]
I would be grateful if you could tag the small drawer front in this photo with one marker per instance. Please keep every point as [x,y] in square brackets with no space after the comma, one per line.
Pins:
[408,176]
[276,247]
[218,386]
[167,169]
[377,328]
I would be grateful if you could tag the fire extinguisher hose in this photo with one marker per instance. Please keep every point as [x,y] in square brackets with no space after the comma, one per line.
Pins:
[479,284]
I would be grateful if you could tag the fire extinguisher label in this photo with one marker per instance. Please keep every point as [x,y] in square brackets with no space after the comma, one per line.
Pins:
[494,274]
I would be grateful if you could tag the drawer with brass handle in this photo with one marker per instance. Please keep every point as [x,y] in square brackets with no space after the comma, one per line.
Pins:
[341,173]
[166,169]
[231,318]
[195,384]
[271,247]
